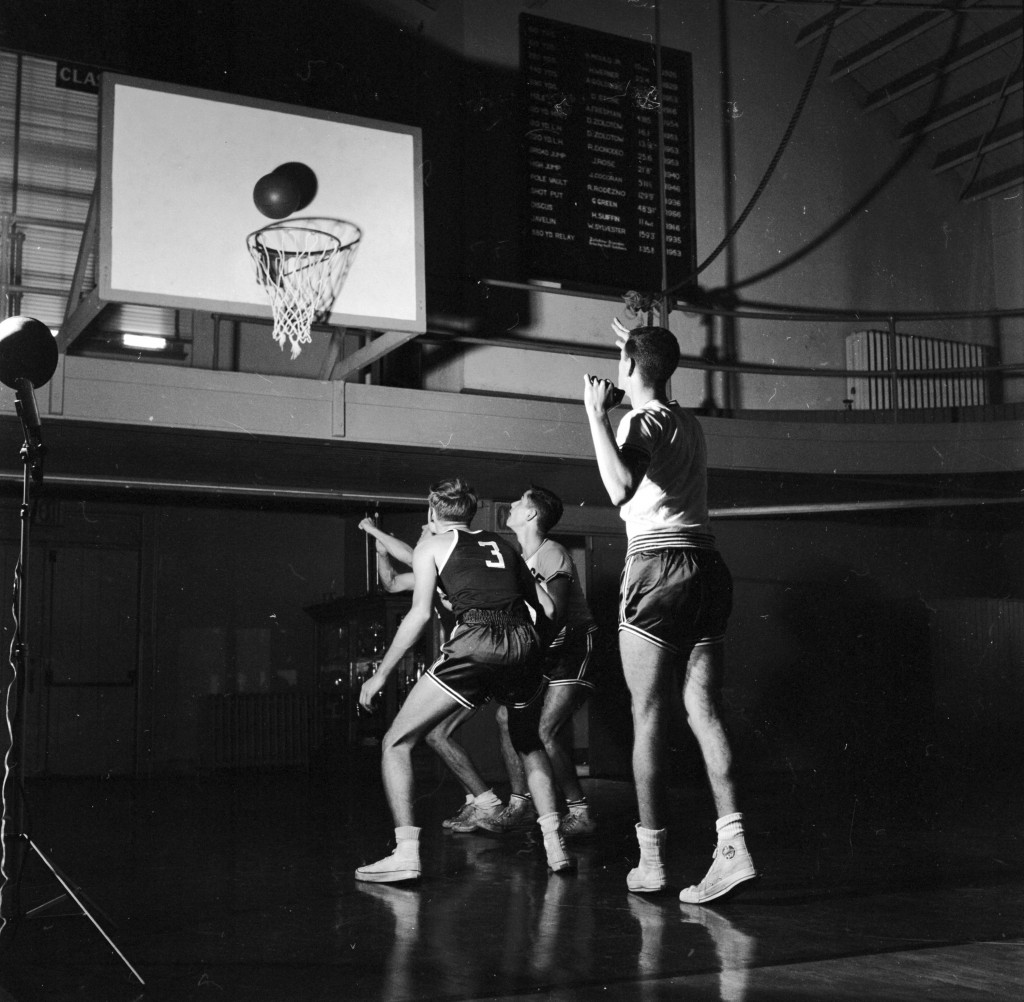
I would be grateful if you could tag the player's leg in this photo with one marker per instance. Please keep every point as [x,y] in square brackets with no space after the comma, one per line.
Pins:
[561,701]
[425,706]
[731,864]
[463,672]
[509,756]
[519,812]
[649,671]
[702,699]
[442,740]
[524,732]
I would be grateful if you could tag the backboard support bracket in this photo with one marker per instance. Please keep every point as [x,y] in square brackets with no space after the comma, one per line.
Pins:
[82,308]
[87,310]
[384,344]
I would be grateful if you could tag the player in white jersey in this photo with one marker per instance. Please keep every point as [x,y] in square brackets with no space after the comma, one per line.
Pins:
[569,659]
[675,599]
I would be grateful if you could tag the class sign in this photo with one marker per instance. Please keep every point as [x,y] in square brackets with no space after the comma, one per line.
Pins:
[75,76]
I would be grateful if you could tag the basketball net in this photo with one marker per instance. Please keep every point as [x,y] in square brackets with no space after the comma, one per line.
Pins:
[302,264]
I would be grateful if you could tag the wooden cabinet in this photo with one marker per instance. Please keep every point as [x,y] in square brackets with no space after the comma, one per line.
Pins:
[352,635]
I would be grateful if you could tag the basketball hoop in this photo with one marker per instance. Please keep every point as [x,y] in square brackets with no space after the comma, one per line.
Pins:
[302,263]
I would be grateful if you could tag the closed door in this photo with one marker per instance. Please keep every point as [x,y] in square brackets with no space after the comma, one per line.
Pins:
[90,660]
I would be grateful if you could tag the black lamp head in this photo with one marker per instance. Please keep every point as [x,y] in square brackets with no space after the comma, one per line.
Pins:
[28,351]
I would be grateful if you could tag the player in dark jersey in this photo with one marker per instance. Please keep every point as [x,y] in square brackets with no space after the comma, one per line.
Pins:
[482,807]
[494,651]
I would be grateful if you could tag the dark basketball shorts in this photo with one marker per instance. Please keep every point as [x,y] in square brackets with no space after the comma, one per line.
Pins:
[676,599]
[491,655]
[572,662]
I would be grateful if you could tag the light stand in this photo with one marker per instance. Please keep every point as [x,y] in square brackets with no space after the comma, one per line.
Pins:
[28,358]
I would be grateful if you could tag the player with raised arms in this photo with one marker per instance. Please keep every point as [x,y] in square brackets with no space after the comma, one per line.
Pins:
[674,602]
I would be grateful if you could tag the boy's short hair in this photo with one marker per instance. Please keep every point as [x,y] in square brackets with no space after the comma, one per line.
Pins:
[548,506]
[452,500]
[655,351]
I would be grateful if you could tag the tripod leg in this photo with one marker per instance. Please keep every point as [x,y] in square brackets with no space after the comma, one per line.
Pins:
[65,880]
[33,912]
[85,911]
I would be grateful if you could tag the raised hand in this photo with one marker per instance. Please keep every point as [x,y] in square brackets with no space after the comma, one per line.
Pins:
[621,332]
[600,395]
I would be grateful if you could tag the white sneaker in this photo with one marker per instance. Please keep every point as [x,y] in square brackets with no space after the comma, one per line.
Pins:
[400,865]
[731,866]
[646,878]
[559,859]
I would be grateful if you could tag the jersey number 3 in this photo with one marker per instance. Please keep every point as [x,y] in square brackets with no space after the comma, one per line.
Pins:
[499,560]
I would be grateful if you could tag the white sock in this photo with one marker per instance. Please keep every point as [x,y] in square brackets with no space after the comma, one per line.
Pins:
[407,841]
[487,799]
[469,798]
[651,842]
[729,827]
[548,823]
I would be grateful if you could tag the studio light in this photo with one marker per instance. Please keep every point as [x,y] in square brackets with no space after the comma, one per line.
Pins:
[28,358]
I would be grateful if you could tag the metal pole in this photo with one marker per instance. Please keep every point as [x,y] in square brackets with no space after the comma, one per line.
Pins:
[893,379]
[663,302]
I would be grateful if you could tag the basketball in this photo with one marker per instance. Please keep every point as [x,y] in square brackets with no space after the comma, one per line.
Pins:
[28,350]
[276,195]
[302,178]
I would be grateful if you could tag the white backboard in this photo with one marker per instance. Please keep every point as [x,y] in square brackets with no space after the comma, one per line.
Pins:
[178,167]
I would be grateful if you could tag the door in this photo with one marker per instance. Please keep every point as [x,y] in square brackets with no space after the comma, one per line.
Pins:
[90,660]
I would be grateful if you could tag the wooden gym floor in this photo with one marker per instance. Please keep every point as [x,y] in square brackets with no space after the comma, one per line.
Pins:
[239,887]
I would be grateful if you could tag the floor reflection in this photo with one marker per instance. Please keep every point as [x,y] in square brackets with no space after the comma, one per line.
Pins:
[245,889]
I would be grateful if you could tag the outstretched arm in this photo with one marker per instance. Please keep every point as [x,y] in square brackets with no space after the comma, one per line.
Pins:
[391,545]
[424,571]
[621,469]
[391,580]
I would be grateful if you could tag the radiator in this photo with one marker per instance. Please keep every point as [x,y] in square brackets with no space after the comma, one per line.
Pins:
[868,351]
[250,730]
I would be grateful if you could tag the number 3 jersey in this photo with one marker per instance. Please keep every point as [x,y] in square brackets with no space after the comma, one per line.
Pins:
[481,570]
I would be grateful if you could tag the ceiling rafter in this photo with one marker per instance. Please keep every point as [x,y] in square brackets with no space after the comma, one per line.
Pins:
[966,151]
[818,28]
[888,42]
[898,52]
[961,106]
[1002,181]
[977,48]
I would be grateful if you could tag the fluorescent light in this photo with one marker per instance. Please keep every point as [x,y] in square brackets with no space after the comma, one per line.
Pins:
[146,342]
